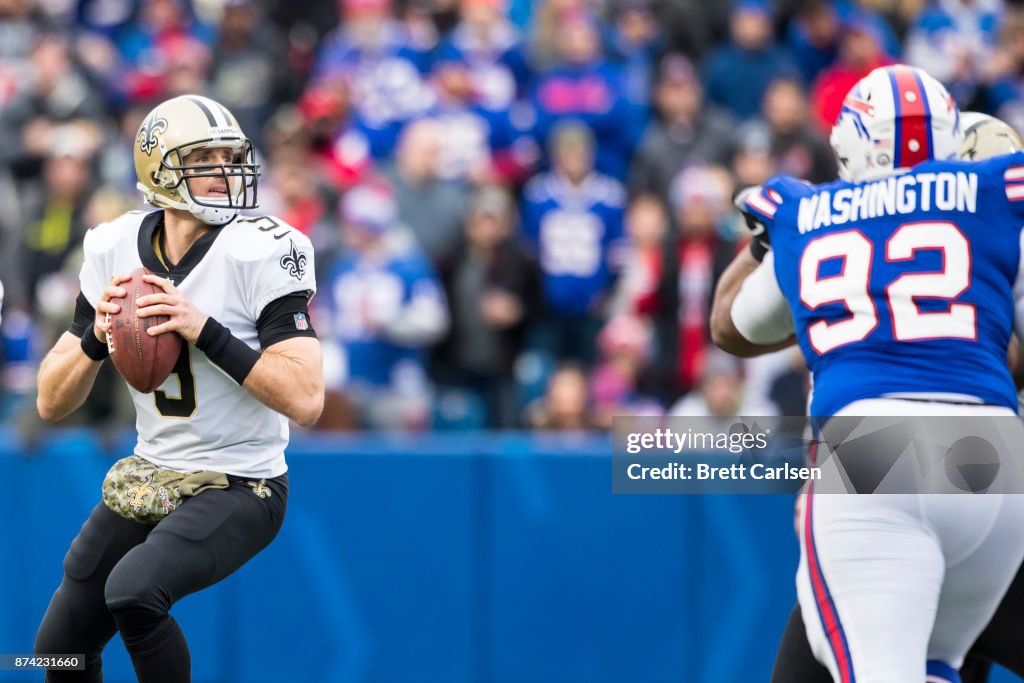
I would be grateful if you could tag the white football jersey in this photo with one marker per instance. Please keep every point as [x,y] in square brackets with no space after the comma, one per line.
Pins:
[199,418]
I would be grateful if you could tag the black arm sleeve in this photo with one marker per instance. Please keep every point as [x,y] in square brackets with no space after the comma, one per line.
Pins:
[85,316]
[285,318]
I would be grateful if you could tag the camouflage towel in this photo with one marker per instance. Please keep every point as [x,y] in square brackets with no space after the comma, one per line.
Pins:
[140,491]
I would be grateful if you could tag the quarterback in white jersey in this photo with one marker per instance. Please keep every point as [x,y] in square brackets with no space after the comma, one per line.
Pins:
[199,419]
[207,484]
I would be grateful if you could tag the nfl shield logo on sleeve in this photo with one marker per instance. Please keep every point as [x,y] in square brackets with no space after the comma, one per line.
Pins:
[301,323]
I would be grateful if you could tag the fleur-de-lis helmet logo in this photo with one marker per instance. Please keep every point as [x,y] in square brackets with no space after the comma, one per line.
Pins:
[147,133]
[294,262]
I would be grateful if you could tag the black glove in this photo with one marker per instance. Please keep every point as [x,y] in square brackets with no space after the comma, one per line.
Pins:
[759,246]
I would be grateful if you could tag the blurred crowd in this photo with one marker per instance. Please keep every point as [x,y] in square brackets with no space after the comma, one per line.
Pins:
[520,208]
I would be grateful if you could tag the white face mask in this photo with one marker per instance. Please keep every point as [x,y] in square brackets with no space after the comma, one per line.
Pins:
[213,215]
[213,210]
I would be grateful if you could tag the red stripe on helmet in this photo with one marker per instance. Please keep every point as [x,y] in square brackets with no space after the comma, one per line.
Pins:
[913,138]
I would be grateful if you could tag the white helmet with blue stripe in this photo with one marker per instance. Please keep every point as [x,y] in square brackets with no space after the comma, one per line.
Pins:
[895,118]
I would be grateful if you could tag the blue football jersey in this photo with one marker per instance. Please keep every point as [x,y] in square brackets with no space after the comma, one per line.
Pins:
[388,286]
[901,285]
[575,232]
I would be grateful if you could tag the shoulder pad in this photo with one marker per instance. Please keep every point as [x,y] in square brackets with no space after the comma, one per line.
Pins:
[766,199]
[102,238]
[759,201]
[253,238]
[1004,164]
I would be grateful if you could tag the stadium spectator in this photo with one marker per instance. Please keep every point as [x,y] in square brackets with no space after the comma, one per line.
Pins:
[565,405]
[103,16]
[187,71]
[295,196]
[738,75]
[1004,75]
[545,30]
[250,69]
[431,206]
[290,132]
[492,290]
[684,130]
[753,163]
[382,68]
[634,41]
[381,308]
[585,86]
[572,221]
[115,160]
[798,148]
[21,24]
[53,214]
[860,52]
[339,144]
[57,93]
[691,27]
[813,37]
[646,228]
[954,40]
[492,47]
[418,20]
[479,144]
[691,263]
[625,346]
[720,394]
[161,41]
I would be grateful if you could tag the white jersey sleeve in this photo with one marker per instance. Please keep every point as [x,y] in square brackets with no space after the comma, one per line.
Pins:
[274,264]
[759,311]
[99,247]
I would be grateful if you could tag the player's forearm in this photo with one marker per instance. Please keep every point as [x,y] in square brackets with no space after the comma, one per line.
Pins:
[767,325]
[65,378]
[292,383]
[723,331]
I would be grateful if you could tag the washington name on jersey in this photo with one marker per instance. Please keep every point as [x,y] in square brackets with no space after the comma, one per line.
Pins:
[908,284]
[200,418]
[894,196]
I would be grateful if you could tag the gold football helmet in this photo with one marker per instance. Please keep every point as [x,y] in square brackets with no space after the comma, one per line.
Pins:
[986,136]
[172,131]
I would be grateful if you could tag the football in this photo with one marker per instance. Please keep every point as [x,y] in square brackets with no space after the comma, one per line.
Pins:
[144,361]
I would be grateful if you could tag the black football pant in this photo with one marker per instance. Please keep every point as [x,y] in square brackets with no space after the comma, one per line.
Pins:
[1001,642]
[123,576]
